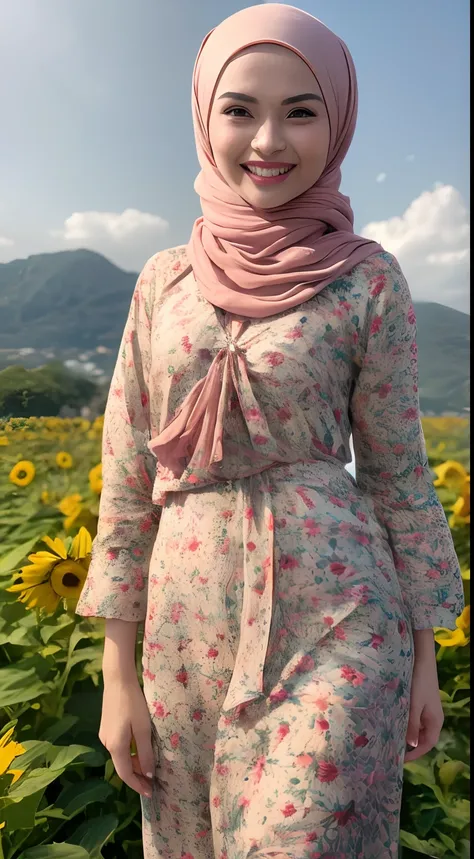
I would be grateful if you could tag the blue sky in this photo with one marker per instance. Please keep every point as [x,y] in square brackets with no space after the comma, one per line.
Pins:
[97,121]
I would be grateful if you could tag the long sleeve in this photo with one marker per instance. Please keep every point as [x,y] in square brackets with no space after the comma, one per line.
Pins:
[116,585]
[391,460]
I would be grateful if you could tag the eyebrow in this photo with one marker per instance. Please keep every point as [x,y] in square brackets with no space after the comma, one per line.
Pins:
[305,96]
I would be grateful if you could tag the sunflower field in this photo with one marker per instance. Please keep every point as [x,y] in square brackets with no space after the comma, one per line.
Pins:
[59,795]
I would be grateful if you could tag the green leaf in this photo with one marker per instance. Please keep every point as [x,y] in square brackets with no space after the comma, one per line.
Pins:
[447,841]
[427,848]
[420,772]
[59,728]
[59,757]
[93,834]
[12,560]
[21,815]
[56,851]
[55,627]
[75,797]
[449,771]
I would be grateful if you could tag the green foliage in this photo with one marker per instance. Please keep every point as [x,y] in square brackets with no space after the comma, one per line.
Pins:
[60,797]
[42,391]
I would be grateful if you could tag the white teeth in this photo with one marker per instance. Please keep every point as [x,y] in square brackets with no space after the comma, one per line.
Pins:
[276,172]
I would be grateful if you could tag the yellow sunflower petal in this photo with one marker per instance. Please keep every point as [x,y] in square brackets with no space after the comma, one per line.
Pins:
[464,620]
[16,774]
[82,544]
[57,546]
[450,637]
[6,737]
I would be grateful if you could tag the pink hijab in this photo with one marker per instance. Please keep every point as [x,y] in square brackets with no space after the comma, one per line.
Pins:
[258,262]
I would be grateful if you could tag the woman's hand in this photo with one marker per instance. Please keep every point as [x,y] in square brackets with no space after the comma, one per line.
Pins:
[124,709]
[125,715]
[426,713]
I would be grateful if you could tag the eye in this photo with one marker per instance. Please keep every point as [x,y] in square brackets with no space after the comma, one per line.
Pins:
[302,110]
[229,111]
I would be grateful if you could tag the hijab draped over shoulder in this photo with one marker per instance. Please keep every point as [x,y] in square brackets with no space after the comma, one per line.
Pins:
[259,262]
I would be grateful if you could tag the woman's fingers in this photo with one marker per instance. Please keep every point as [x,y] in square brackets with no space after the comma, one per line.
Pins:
[124,765]
[429,730]
[142,737]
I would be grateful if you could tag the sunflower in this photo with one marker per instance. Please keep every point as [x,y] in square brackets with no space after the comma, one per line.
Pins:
[54,575]
[462,507]
[9,750]
[64,460]
[71,508]
[22,473]
[450,474]
[95,478]
[455,637]
[4,441]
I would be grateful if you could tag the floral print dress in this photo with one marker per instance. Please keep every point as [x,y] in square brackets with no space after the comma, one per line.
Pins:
[279,594]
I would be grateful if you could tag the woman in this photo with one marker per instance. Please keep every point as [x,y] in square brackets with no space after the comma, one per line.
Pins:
[288,647]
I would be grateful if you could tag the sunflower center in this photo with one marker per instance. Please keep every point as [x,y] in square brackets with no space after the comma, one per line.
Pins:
[22,474]
[70,580]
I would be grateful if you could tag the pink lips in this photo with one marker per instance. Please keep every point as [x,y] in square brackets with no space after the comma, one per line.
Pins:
[267,165]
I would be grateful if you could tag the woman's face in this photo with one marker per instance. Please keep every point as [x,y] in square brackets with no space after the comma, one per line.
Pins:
[250,122]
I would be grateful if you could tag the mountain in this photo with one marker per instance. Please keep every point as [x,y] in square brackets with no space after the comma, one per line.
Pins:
[73,304]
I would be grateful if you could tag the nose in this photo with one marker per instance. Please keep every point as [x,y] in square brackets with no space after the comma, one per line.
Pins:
[269,139]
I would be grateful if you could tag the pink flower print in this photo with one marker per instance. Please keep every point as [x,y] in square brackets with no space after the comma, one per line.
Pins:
[275,358]
[337,569]
[260,439]
[251,546]
[258,769]
[194,544]
[176,267]
[402,627]
[327,771]
[174,740]
[343,817]
[182,677]
[361,741]
[322,724]
[339,502]
[418,470]
[347,673]
[185,343]
[384,390]
[197,716]
[339,633]
[337,415]
[148,675]
[249,513]
[279,696]
[294,334]
[411,414]
[411,315]
[225,546]
[212,652]
[253,414]
[288,810]
[124,588]
[222,769]
[304,761]
[306,663]
[376,640]
[288,562]
[159,710]
[282,732]
[227,514]
[144,399]
[311,836]
[301,491]
[176,611]
[321,703]
[386,475]
[284,414]
[379,285]
[399,448]
[376,325]
[243,802]
[312,528]
[328,621]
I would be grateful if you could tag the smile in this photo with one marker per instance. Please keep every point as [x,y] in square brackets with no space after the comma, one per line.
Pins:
[267,175]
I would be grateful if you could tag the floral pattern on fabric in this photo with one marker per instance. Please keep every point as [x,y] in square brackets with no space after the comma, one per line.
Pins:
[278,593]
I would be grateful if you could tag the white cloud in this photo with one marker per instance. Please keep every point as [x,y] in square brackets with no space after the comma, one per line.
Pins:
[431,241]
[410,158]
[127,237]
[381,177]
[6,243]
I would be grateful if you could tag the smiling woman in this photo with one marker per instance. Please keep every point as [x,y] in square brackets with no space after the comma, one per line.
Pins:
[251,144]
[288,651]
